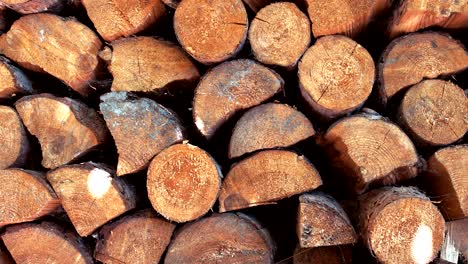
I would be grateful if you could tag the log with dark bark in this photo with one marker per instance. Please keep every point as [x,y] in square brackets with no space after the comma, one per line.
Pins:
[324,255]
[14,144]
[13,81]
[34,6]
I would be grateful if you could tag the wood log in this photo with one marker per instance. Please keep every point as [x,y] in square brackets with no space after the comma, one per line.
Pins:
[152,128]
[12,80]
[266,177]
[48,43]
[183,182]
[45,243]
[323,255]
[322,222]
[146,64]
[90,195]
[369,150]
[14,146]
[336,76]
[25,196]
[34,6]
[435,55]
[456,241]
[269,126]
[120,18]
[141,237]
[279,35]
[66,128]
[413,15]
[445,180]
[434,112]
[171,3]
[229,88]
[401,225]
[221,238]
[211,31]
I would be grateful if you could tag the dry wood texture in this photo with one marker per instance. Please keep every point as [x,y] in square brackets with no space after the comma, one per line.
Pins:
[266,177]
[410,59]
[231,87]
[323,255]
[336,76]
[368,150]
[12,80]
[66,128]
[268,126]
[222,238]
[45,243]
[141,237]
[211,30]
[90,195]
[434,112]
[25,196]
[322,222]
[456,241]
[141,128]
[183,182]
[122,18]
[146,64]
[34,6]
[401,225]
[279,34]
[48,43]
[14,144]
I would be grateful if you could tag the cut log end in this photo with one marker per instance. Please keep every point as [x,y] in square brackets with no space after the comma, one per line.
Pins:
[323,255]
[15,143]
[12,80]
[35,6]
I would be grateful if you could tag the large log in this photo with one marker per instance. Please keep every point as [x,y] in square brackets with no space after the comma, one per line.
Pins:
[323,255]
[34,6]
[14,145]
[13,81]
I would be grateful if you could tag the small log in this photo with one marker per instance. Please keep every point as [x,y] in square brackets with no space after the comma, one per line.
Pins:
[279,35]
[231,87]
[12,80]
[48,43]
[269,126]
[368,150]
[211,31]
[322,222]
[323,255]
[410,59]
[434,112]
[171,3]
[146,64]
[90,195]
[14,144]
[34,6]
[256,5]
[121,18]
[45,243]
[401,225]
[456,241]
[266,177]
[138,238]
[183,182]
[336,76]
[25,196]
[152,128]
[445,180]
[221,238]
[66,128]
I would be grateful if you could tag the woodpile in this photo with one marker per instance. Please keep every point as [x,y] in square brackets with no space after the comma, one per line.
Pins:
[233,131]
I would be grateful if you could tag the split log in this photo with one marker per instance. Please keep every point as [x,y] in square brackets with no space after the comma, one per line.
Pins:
[445,180]
[12,80]
[456,241]
[138,238]
[146,64]
[48,43]
[221,238]
[152,128]
[25,196]
[183,182]
[14,146]
[434,112]
[90,195]
[412,58]
[34,6]
[171,3]
[279,35]
[324,255]
[368,150]
[67,129]
[322,222]
[269,126]
[401,225]
[211,31]
[336,76]
[45,243]
[266,177]
[231,87]
[120,18]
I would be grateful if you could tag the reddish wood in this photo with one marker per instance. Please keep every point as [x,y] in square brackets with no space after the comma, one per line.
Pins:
[14,144]
[34,6]
[12,80]
[323,255]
